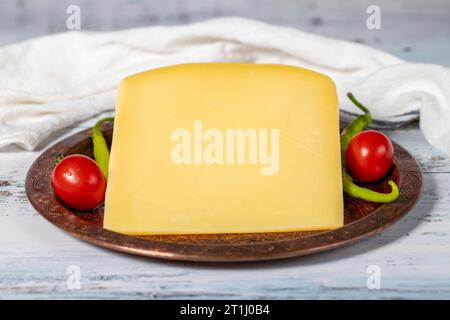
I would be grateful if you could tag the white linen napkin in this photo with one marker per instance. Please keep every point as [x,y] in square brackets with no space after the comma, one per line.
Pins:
[51,82]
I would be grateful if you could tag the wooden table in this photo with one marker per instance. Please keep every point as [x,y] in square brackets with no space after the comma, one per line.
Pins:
[413,255]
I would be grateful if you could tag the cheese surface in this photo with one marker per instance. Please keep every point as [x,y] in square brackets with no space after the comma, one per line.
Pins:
[225,148]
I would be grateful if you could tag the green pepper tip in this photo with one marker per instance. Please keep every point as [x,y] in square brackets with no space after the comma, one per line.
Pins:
[101,152]
[357,103]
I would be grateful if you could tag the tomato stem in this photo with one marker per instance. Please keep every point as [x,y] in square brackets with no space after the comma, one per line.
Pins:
[58,158]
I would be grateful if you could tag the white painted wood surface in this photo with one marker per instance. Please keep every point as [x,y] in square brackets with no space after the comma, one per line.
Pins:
[413,255]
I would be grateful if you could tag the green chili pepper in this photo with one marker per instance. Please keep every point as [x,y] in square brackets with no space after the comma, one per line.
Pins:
[101,152]
[356,191]
[349,186]
[355,127]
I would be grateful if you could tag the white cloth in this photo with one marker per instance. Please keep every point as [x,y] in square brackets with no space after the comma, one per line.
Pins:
[51,82]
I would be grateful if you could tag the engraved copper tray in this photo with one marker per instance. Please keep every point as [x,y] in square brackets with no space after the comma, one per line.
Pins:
[362,219]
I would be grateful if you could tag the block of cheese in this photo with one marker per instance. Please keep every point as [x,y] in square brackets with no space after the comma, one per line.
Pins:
[225,148]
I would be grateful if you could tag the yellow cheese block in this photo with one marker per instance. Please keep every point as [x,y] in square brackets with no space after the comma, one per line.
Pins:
[225,148]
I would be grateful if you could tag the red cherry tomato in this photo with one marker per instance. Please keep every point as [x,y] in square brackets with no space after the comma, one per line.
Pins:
[369,156]
[78,181]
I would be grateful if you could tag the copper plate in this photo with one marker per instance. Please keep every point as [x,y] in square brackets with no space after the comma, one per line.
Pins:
[362,219]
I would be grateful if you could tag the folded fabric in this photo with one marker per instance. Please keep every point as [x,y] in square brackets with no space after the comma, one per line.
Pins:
[51,82]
